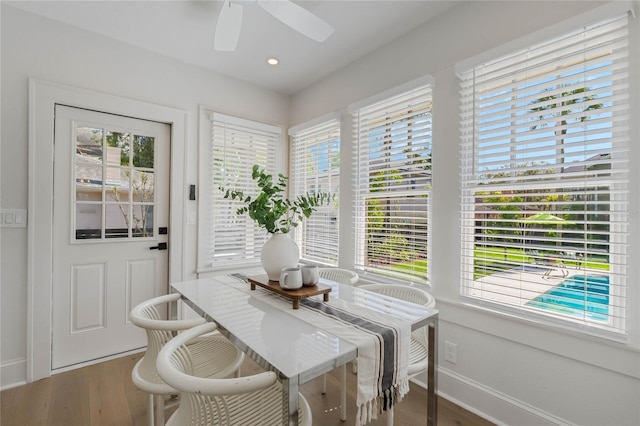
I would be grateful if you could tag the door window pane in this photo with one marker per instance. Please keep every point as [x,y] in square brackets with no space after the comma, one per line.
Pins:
[88,221]
[143,151]
[118,148]
[88,182]
[117,184]
[117,220]
[89,145]
[118,176]
[143,186]
[142,220]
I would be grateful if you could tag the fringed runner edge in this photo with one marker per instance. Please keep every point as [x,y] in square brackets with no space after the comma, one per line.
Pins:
[391,388]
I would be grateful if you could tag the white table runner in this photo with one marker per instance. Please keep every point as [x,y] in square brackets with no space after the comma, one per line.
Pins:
[382,372]
[383,355]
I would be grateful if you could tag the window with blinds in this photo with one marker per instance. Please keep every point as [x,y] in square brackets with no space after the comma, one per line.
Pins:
[544,179]
[315,167]
[235,146]
[392,169]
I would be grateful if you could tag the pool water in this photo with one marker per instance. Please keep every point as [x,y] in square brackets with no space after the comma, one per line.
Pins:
[580,295]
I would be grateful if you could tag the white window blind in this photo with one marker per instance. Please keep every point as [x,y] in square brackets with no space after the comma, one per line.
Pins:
[315,167]
[392,169]
[544,179]
[236,145]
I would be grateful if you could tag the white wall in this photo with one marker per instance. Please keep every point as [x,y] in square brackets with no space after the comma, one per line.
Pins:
[36,47]
[510,370]
[514,371]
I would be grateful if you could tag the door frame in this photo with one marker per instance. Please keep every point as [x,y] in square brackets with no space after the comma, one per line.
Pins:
[43,96]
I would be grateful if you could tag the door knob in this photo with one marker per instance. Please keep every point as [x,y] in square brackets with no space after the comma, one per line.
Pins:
[160,246]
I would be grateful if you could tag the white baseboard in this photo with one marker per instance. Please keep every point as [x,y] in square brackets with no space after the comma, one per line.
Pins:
[97,361]
[13,373]
[488,403]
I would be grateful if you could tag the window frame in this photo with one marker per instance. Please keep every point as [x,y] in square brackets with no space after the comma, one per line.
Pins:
[210,197]
[304,137]
[358,211]
[471,182]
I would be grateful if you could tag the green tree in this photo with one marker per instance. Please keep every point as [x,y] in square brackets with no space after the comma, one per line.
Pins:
[563,107]
[572,105]
[141,182]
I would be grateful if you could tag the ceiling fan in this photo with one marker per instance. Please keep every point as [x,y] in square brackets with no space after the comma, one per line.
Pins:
[300,19]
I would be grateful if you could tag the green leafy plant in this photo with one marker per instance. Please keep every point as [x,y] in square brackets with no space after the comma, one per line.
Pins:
[270,209]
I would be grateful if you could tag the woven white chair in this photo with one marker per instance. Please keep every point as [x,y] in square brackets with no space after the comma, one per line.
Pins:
[249,400]
[213,356]
[418,354]
[343,276]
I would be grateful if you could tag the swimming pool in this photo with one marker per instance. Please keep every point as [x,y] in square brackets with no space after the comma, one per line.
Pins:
[580,295]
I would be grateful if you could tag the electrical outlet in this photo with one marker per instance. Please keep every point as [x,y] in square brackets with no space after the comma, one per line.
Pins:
[450,352]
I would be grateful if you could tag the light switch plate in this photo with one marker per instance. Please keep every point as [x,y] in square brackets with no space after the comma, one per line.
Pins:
[13,218]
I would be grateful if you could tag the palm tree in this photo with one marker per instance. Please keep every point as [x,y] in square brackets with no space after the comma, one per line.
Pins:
[564,106]
[568,102]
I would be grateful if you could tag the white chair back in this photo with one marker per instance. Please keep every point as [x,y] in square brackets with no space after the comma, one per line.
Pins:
[159,332]
[404,292]
[409,294]
[215,356]
[255,399]
[343,276]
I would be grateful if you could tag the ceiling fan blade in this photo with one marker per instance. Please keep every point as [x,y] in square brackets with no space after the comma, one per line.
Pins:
[298,18]
[228,27]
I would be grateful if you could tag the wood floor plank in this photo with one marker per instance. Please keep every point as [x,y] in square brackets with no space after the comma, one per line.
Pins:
[103,394]
[411,411]
[69,399]
[26,405]
[108,404]
[455,415]
[136,399]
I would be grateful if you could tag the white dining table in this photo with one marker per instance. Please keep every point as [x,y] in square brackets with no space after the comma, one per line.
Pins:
[295,350]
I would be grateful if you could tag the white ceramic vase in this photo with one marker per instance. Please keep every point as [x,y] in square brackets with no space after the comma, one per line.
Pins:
[279,251]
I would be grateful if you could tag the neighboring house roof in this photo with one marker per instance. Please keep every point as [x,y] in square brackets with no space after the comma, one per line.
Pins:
[596,162]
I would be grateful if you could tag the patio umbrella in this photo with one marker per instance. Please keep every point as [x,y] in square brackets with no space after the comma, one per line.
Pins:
[544,219]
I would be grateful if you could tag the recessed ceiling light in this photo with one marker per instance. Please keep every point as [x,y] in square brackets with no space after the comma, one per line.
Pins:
[273,61]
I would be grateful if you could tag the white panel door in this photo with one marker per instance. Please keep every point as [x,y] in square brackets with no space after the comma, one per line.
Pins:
[110,215]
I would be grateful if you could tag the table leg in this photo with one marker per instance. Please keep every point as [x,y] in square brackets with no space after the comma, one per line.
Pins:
[343,392]
[290,400]
[432,373]
[159,418]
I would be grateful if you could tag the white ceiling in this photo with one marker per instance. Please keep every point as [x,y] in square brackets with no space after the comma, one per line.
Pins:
[183,29]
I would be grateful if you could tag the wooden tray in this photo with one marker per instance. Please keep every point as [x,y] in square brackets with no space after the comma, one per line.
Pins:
[294,295]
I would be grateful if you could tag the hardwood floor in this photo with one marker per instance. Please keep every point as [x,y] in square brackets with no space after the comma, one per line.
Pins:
[103,394]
